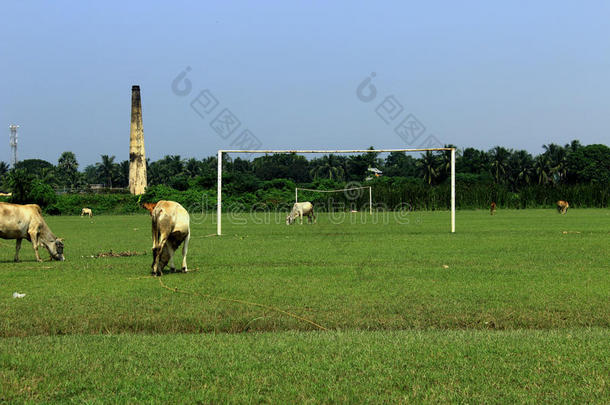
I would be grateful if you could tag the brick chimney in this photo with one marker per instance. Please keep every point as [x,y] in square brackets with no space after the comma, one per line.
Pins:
[137,156]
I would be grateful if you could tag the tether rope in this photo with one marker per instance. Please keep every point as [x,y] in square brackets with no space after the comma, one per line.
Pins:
[269,307]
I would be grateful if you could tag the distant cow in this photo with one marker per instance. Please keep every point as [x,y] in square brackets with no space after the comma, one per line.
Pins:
[26,222]
[562,206]
[86,211]
[304,209]
[492,209]
[149,206]
[170,227]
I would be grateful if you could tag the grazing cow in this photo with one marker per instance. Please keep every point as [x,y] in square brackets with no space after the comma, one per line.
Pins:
[170,227]
[562,206]
[26,222]
[492,209]
[86,211]
[149,206]
[304,209]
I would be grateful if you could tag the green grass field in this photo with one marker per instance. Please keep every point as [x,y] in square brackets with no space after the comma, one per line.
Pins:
[511,308]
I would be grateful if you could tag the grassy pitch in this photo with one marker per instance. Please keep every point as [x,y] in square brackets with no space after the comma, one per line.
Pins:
[514,307]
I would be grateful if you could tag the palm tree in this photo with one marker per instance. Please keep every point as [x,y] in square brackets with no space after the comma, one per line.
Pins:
[444,169]
[499,162]
[328,165]
[542,169]
[20,183]
[3,169]
[67,167]
[193,167]
[557,156]
[49,176]
[371,158]
[521,163]
[107,169]
[573,146]
[175,164]
[123,174]
[3,172]
[428,165]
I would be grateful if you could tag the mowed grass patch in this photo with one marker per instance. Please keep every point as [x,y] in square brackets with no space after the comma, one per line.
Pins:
[565,366]
[531,269]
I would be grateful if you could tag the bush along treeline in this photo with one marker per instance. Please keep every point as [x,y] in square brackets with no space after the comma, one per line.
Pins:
[512,178]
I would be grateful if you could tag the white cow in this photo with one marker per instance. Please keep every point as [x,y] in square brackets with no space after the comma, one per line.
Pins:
[303,209]
[26,222]
[170,227]
[86,211]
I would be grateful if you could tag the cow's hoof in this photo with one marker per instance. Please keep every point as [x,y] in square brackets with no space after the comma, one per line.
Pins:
[185,270]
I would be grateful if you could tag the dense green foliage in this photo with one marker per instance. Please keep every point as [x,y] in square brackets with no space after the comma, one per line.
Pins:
[512,178]
[511,308]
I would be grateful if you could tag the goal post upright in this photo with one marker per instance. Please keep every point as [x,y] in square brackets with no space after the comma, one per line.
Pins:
[328,151]
[219,196]
[452,190]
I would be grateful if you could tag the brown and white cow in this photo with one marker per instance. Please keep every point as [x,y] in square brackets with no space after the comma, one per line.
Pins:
[492,209]
[170,227]
[562,206]
[300,210]
[86,211]
[26,222]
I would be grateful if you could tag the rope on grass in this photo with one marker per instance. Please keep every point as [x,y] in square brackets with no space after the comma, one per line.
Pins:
[176,290]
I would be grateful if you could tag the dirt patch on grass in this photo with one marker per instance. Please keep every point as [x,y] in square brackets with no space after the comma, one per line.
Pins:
[118,254]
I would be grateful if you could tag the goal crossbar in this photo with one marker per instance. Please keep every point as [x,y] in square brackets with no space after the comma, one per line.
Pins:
[296,193]
[262,151]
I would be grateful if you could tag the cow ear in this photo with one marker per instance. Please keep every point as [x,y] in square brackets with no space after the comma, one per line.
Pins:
[60,239]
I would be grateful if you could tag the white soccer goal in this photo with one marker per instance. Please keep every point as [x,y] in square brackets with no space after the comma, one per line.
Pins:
[343,190]
[221,151]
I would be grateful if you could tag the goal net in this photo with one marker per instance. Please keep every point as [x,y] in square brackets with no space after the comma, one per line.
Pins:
[352,193]
[324,151]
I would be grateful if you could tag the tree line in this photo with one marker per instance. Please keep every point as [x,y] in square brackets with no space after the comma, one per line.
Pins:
[489,174]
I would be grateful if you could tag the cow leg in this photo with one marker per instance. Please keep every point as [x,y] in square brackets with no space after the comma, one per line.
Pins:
[185,249]
[160,246]
[301,216]
[172,266]
[155,233]
[17,247]
[34,239]
[171,248]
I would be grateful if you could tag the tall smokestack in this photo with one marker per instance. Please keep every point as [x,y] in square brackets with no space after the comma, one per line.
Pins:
[137,156]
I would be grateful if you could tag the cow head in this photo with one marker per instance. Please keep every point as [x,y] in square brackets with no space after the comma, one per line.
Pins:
[149,206]
[56,250]
[289,219]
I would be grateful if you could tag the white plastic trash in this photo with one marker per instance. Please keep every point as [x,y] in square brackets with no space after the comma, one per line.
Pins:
[17,295]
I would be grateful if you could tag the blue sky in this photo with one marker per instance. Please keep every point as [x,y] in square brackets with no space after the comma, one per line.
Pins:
[476,74]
